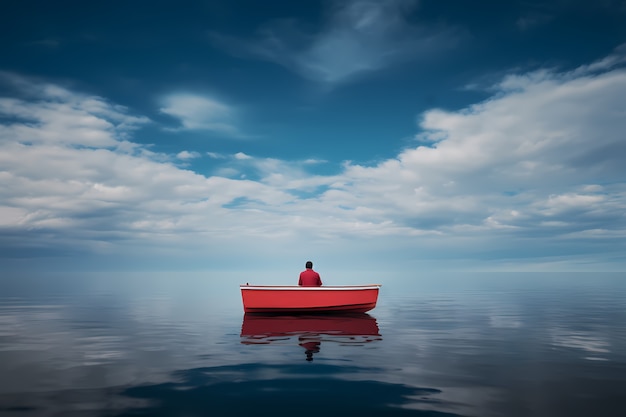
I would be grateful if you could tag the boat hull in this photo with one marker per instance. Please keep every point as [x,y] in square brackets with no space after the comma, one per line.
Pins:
[295,299]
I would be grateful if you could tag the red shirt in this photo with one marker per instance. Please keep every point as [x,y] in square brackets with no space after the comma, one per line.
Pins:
[310,278]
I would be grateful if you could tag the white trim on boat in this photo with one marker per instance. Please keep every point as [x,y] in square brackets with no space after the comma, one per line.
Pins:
[299,288]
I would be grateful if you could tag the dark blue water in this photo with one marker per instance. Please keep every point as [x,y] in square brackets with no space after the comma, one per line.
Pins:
[180,345]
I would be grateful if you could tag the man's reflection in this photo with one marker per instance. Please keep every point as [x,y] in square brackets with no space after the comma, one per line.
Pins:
[311,344]
[310,330]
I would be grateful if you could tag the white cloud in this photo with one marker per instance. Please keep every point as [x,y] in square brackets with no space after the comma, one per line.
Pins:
[536,172]
[359,36]
[197,112]
[188,155]
[541,150]
[242,156]
[215,155]
[57,116]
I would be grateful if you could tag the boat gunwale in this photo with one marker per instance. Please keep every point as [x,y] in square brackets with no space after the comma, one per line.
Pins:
[300,288]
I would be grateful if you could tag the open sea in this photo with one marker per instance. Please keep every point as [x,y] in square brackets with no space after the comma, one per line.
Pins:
[497,344]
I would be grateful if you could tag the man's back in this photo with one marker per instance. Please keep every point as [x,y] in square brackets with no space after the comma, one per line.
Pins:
[310,278]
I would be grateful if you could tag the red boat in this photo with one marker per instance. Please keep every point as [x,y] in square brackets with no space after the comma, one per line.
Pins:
[296,299]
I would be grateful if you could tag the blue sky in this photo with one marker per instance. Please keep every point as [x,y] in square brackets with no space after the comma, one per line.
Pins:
[381,135]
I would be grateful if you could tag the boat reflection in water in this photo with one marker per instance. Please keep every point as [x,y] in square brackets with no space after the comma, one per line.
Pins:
[309,330]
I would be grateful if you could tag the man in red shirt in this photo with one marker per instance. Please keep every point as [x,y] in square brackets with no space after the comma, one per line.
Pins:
[309,278]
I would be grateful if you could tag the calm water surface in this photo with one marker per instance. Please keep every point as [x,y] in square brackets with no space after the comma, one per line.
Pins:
[470,345]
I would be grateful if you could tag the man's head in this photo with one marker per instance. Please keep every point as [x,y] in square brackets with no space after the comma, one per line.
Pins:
[309,265]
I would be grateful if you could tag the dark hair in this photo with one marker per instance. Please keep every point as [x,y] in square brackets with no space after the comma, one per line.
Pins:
[309,264]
